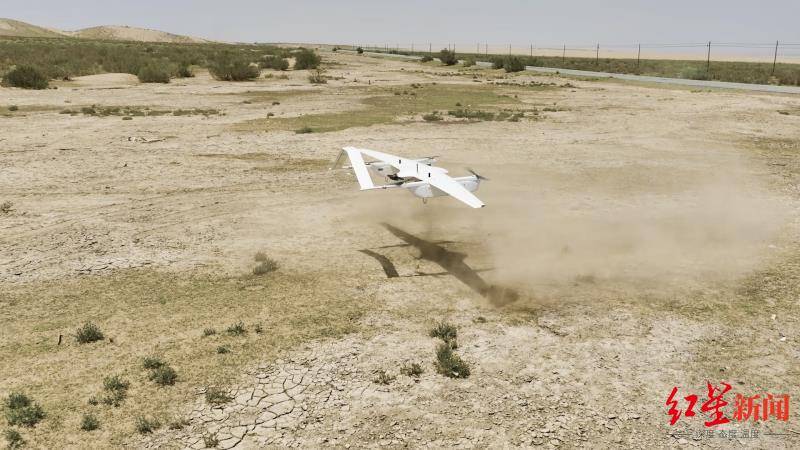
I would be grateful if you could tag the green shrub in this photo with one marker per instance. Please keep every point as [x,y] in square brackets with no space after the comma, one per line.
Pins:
[209,332]
[306,59]
[88,333]
[432,117]
[227,67]
[413,370]
[359,50]
[26,77]
[152,362]
[164,375]
[469,61]
[444,331]
[13,108]
[116,390]
[184,71]
[383,378]
[447,57]
[513,64]
[498,62]
[217,396]
[153,73]
[21,410]
[237,329]
[145,425]
[223,349]
[426,58]
[449,364]
[470,114]
[694,73]
[13,438]
[89,422]
[6,207]
[274,62]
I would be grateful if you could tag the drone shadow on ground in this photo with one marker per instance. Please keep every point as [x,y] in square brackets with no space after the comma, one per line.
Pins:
[451,262]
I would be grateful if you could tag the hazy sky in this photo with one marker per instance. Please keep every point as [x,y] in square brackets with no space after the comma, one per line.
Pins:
[462,22]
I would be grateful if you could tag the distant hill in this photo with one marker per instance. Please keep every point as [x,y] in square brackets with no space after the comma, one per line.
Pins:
[10,27]
[124,33]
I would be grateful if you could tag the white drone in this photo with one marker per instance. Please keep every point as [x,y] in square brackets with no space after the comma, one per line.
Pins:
[416,175]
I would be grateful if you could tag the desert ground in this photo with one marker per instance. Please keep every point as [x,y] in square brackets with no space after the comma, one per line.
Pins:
[636,238]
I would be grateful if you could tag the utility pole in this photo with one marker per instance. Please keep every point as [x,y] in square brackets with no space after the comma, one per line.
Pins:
[487,48]
[708,59]
[430,48]
[478,48]
[564,54]
[531,50]
[597,56]
[509,49]
[639,56]
[775,59]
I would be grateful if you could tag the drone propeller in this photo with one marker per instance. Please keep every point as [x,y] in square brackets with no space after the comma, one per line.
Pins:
[477,175]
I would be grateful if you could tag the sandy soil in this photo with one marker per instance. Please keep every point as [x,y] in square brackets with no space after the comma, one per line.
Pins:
[636,239]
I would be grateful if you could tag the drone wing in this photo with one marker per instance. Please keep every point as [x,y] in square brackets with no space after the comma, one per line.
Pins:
[453,188]
[357,162]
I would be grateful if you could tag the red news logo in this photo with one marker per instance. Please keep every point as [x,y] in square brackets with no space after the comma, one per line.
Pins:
[756,407]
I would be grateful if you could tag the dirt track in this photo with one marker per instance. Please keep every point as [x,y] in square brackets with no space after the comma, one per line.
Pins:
[648,235]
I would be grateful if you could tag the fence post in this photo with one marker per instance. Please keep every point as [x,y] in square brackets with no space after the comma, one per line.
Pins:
[708,59]
[639,56]
[430,48]
[509,49]
[597,56]
[775,59]
[531,50]
[564,54]
[487,48]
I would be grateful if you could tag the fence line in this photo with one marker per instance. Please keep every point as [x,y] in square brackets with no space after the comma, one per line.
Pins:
[773,52]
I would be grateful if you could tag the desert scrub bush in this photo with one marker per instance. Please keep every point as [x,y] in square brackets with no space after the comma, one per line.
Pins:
[306,59]
[694,73]
[304,130]
[6,207]
[447,57]
[26,77]
[88,333]
[217,396]
[209,332]
[164,375]
[21,410]
[223,349]
[469,61]
[227,67]
[145,425]
[13,439]
[89,422]
[274,62]
[426,58]
[383,378]
[472,115]
[178,424]
[116,389]
[498,62]
[432,117]
[152,362]
[359,50]
[444,331]
[258,328]
[413,370]
[449,364]
[184,71]
[237,329]
[154,72]
[513,64]
[210,440]
[13,108]
[317,77]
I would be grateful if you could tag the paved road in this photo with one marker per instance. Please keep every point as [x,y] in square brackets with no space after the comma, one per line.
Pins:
[624,76]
